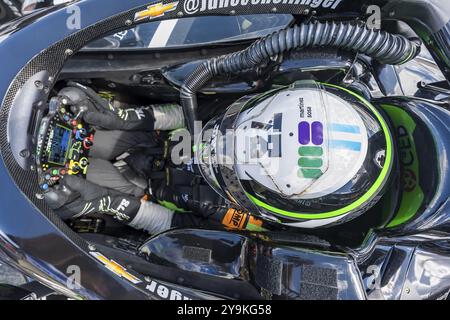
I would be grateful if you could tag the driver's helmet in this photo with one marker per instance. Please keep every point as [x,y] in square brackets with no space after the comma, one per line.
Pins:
[308,155]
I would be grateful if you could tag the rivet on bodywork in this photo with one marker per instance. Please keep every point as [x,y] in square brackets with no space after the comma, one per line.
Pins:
[68,52]
[39,84]
[92,247]
[39,196]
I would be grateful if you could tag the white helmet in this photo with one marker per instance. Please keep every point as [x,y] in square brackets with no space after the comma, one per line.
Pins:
[308,155]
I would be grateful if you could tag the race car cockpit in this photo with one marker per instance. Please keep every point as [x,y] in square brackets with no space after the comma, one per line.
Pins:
[237,154]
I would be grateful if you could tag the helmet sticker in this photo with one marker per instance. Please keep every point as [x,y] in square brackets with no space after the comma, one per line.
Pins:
[311,157]
[303,143]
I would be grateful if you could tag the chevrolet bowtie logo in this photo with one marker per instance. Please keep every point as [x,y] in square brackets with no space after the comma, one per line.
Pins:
[155,11]
[116,268]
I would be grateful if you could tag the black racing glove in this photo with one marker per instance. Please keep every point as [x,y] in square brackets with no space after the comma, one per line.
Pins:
[100,112]
[75,197]
[217,212]
[204,209]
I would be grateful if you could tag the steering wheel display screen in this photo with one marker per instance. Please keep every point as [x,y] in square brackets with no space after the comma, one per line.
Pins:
[60,143]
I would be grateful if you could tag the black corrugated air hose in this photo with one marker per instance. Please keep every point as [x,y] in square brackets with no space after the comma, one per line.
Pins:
[385,47]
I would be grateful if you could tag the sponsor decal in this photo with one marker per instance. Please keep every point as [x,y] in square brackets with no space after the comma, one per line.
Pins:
[196,6]
[413,196]
[332,144]
[234,219]
[155,11]
[310,137]
[260,146]
[409,180]
[116,268]
[165,292]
